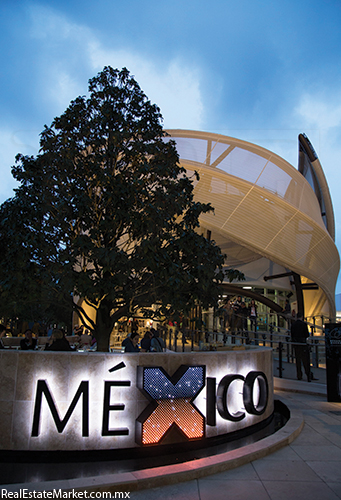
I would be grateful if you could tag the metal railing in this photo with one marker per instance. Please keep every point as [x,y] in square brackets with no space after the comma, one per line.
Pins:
[276,338]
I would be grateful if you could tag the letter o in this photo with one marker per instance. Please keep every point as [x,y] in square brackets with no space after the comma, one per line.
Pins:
[249,383]
[222,391]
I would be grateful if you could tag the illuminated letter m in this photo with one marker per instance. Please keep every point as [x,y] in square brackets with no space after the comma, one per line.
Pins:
[42,388]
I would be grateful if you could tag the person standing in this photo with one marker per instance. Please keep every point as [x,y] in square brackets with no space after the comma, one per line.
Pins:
[244,315]
[287,308]
[253,315]
[299,335]
[287,312]
[237,318]
[253,319]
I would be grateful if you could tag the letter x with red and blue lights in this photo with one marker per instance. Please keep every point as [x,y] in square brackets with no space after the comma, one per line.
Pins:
[171,403]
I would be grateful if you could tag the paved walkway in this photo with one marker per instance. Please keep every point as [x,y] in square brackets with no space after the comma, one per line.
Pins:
[307,469]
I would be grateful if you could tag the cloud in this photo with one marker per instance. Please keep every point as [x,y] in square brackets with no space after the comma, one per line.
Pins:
[11,143]
[49,25]
[320,110]
[175,87]
[72,53]
[62,89]
[322,114]
[61,57]
[64,55]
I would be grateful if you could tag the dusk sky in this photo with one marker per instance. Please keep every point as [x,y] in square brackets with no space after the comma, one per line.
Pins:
[259,71]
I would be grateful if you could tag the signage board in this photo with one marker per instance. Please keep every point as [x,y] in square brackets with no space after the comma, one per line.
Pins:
[129,400]
[333,361]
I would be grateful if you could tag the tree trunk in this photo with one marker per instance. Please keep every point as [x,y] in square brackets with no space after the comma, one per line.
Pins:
[105,321]
[104,326]
[102,338]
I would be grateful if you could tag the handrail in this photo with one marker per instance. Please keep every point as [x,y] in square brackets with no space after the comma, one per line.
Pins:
[280,342]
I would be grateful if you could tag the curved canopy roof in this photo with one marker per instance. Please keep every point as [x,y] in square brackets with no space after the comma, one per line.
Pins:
[262,203]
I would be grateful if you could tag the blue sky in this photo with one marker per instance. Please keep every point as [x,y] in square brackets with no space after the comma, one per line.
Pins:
[262,71]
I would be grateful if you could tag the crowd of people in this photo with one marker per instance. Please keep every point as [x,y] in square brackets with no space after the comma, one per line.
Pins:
[238,313]
[151,342]
[56,340]
[84,340]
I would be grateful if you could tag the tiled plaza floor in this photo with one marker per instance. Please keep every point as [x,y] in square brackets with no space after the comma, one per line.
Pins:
[308,469]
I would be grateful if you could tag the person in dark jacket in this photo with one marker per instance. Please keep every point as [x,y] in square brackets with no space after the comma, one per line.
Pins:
[130,344]
[58,342]
[146,341]
[29,342]
[299,335]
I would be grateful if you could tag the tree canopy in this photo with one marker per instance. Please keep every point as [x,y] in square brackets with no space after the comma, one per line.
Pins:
[105,212]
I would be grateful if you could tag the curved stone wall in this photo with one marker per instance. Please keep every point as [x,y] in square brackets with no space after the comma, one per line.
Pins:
[98,401]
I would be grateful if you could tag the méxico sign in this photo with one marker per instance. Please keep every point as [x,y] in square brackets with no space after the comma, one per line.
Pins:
[170,404]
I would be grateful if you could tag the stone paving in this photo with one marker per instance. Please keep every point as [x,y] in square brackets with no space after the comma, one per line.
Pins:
[308,468]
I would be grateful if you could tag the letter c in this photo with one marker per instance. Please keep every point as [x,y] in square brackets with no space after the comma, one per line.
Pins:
[222,391]
[250,380]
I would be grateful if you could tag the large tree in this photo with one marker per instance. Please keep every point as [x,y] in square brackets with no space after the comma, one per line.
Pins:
[106,213]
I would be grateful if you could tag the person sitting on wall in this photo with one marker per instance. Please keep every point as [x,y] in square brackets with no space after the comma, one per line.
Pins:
[130,343]
[157,343]
[85,339]
[58,342]
[29,343]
